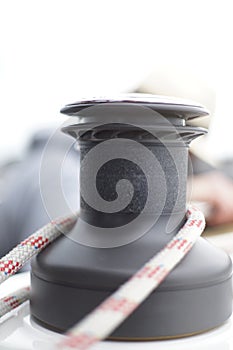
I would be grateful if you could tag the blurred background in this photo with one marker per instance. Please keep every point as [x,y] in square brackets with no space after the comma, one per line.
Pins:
[55,52]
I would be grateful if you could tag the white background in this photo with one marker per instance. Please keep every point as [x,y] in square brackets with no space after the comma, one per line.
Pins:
[54,52]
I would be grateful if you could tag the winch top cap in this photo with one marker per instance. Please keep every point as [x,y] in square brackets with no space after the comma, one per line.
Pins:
[182,108]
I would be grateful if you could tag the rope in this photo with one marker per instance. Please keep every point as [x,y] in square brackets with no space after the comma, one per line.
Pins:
[13,300]
[23,252]
[101,322]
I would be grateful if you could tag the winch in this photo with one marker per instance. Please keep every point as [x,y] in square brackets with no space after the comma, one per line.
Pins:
[133,174]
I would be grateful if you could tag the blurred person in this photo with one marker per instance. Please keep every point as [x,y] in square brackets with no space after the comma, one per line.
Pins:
[208,185]
[214,188]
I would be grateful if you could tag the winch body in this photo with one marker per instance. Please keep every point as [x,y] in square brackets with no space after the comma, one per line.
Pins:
[143,141]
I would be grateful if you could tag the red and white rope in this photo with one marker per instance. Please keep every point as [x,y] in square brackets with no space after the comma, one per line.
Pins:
[13,300]
[101,322]
[23,252]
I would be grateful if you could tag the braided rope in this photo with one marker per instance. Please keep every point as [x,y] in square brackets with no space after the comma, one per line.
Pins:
[23,252]
[101,322]
[13,300]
